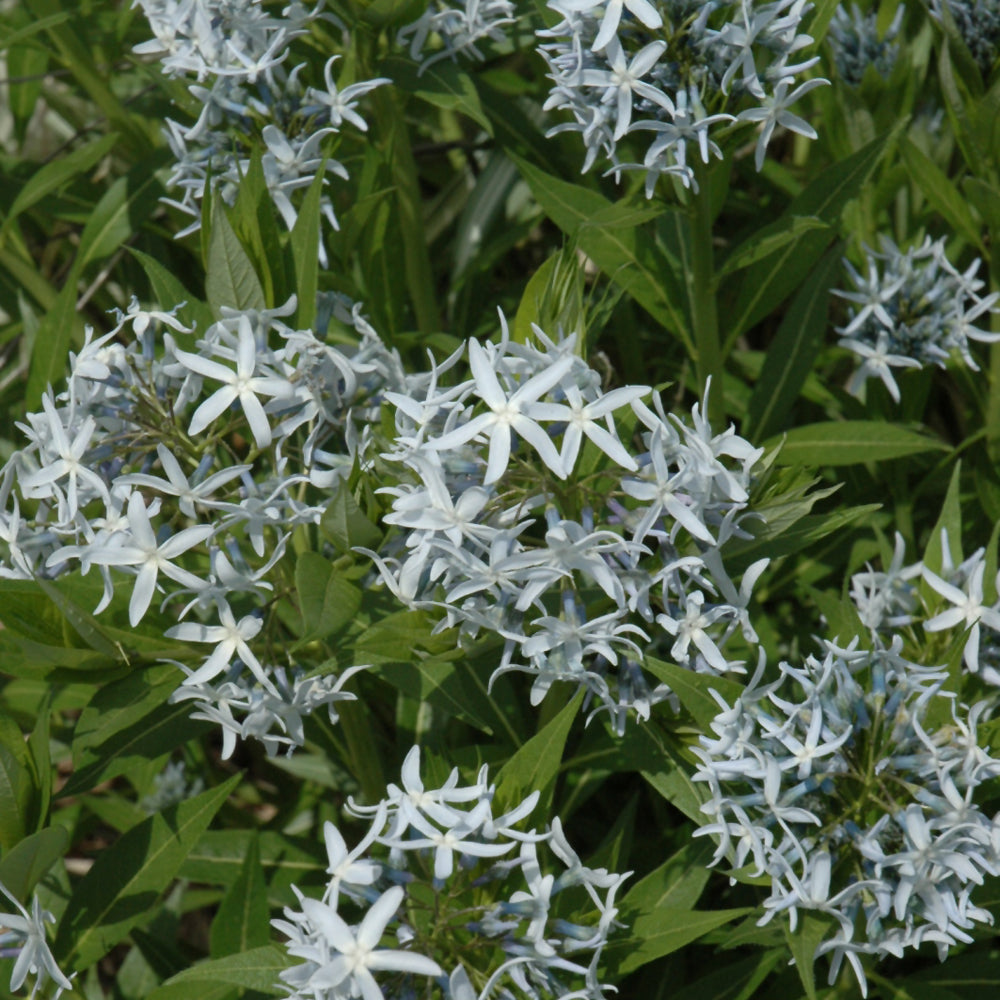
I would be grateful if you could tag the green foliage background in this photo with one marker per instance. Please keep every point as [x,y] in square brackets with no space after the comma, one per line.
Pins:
[458,205]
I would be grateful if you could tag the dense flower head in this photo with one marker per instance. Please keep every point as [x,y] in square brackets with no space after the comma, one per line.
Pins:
[178,474]
[253,99]
[978,22]
[953,603]
[460,28]
[678,70]
[523,511]
[856,44]
[912,308]
[850,781]
[443,898]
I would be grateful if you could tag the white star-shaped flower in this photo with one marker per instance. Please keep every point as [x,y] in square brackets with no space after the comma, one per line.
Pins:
[240,385]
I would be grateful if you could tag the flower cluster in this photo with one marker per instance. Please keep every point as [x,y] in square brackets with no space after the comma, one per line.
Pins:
[856,45]
[240,49]
[482,908]
[186,471]
[170,787]
[23,934]
[523,512]
[679,70]
[890,599]
[910,309]
[978,22]
[459,28]
[850,781]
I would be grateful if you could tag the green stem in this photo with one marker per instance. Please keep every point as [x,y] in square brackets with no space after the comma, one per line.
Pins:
[993,404]
[701,294]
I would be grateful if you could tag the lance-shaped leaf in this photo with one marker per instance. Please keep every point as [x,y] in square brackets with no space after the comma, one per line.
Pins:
[128,877]
[851,442]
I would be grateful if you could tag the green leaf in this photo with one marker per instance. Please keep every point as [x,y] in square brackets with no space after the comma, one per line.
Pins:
[958,102]
[807,937]
[84,624]
[940,192]
[255,225]
[128,723]
[187,989]
[40,755]
[127,878]
[972,975]
[405,219]
[444,85]
[28,611]
[986,199]
[456,688]
[27,68]
[22,866]
[625,253]
[327,601]
[533,300]
[536,764]
[70,42]
[662,761]
[694,690]
[828,195]
[850,442]
[15,798]
[484,205]
[230,279]
[949,521]
[843,622]
[766,284]
[663,932]
[515,129]
[116,811]
[733,980]
[822,14]
[344,524]
[157,949]
[18,36]
[118,214]
[305,251]
[40,661]
[169,292]
[218,857]
[790,356]
[676,884]
[54,175]
[241,922]
[769,240]
[50,356]
[258,969]
[384,13]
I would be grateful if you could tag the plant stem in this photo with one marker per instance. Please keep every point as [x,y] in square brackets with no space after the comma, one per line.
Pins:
[701,294]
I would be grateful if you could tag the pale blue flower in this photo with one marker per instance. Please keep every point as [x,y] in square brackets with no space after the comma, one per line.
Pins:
[27,932]
[774,112]
[230,638]
[242,385]
[142,550]
[515,412]
[356,954]
[969,612]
